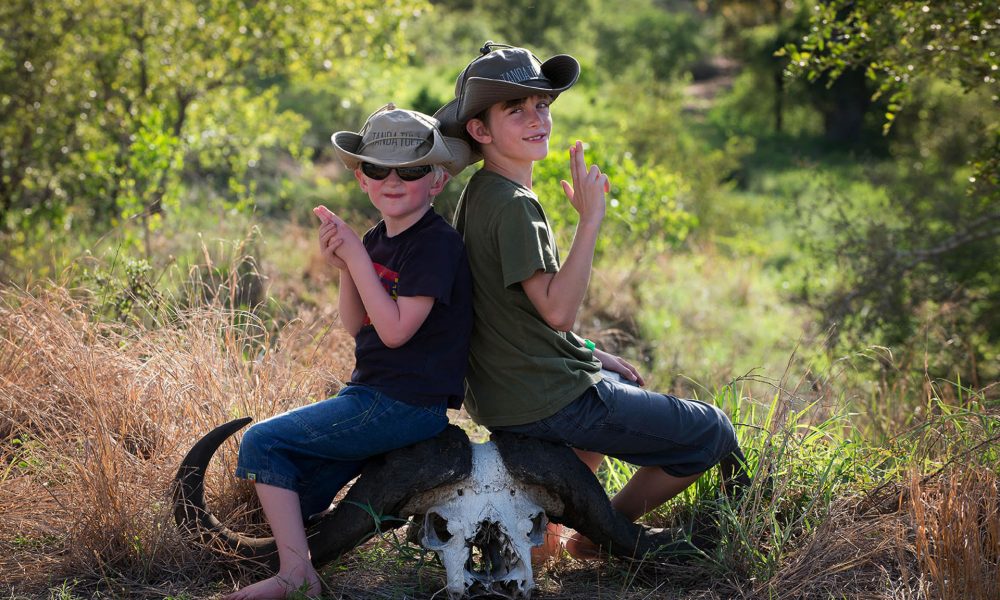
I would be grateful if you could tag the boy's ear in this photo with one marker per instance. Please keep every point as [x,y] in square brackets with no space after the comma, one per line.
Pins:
[478,130]
[362,180]
[439,184]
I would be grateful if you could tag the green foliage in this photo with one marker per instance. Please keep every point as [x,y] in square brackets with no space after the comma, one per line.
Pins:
[901,43]
[168,129]
[646,41]
[64,591]
[753,32]
[238,137]
[748,110]
[645,207]
[708,318]
[126,290]
[925,261]
[102,101]
[654,128]
[538,25]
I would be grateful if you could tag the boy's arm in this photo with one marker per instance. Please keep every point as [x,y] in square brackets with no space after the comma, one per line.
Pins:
[395,321]
[352,311]
[558,296]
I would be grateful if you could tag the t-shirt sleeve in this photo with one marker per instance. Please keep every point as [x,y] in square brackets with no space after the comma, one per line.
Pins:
[525,242]
[430,266]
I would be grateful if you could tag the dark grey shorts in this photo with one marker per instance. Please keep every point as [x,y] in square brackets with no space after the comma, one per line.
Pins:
[683,437]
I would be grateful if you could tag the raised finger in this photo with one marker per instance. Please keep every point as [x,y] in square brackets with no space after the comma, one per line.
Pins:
[325,214]
[581,159]
[574,170]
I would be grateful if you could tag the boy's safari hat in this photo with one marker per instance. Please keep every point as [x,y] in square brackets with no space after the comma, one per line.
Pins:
[504,73]
[393,137]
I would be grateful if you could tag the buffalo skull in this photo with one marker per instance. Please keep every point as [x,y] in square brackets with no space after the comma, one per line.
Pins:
[481,507]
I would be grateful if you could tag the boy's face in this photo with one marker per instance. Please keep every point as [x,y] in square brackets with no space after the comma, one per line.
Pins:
[400,200]
[517,130]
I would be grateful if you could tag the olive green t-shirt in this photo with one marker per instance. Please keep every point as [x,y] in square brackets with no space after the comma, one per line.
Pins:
[520,369]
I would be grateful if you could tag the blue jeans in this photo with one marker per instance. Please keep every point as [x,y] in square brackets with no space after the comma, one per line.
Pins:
[630,423]
[316,449]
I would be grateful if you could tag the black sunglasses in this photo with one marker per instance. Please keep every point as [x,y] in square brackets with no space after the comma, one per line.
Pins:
[378,172]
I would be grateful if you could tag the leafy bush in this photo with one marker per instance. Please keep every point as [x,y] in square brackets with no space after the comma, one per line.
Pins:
[645,207]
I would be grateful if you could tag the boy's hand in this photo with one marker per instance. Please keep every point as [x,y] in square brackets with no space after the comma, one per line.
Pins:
[336,239]
[586,194]
[619,365]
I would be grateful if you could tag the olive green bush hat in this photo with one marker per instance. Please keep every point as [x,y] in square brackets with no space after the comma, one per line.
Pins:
[394,137]
[502,73]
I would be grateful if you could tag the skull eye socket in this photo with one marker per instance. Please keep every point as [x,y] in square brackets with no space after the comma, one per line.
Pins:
[436,532]
[538,524]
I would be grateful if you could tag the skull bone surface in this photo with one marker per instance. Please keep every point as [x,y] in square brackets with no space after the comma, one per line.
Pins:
[483,529]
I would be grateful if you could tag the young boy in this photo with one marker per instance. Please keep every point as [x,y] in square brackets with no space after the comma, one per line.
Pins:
[405,295]
[527,372]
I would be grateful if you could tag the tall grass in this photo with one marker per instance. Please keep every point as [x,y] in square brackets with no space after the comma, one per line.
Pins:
[838,511]
[96,413]
[96,417]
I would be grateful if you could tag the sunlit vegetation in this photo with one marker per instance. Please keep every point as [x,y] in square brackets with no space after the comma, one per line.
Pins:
[803,228]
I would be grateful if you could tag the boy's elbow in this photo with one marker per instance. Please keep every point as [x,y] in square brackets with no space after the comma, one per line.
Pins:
[563,326]
[352,328]
[395,340]
[392,341]
[559,322]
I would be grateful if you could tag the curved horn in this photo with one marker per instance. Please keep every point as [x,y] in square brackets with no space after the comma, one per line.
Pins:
[383,488]
[587,508]
[191,513]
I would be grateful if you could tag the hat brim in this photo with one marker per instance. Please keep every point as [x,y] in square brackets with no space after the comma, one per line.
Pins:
[560,73]
[451,153]
[447,115]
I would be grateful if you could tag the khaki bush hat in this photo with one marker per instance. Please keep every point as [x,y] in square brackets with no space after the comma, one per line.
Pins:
[502,73]
[394,137]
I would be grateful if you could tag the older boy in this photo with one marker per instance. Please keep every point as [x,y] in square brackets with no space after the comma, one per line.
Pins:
[527,372]
[405,295]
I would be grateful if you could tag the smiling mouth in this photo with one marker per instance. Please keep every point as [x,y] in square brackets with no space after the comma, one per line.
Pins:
[536,138]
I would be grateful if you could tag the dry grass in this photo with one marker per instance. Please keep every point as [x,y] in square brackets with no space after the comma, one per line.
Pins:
[956,533]
[935,538]
[95,417]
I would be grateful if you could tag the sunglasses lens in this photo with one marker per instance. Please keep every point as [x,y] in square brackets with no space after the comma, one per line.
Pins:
[413,173]
[376,172]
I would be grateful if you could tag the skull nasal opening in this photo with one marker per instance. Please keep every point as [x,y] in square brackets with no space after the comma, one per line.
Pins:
[492,556]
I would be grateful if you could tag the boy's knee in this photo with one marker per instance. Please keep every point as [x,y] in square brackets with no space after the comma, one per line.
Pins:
[256,437]
[726,433]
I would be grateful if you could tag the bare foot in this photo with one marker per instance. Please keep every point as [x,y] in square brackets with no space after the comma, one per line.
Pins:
[280,587]
[582,548]
[552,544]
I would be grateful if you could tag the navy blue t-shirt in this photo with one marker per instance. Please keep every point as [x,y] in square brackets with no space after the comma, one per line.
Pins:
[428,259]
